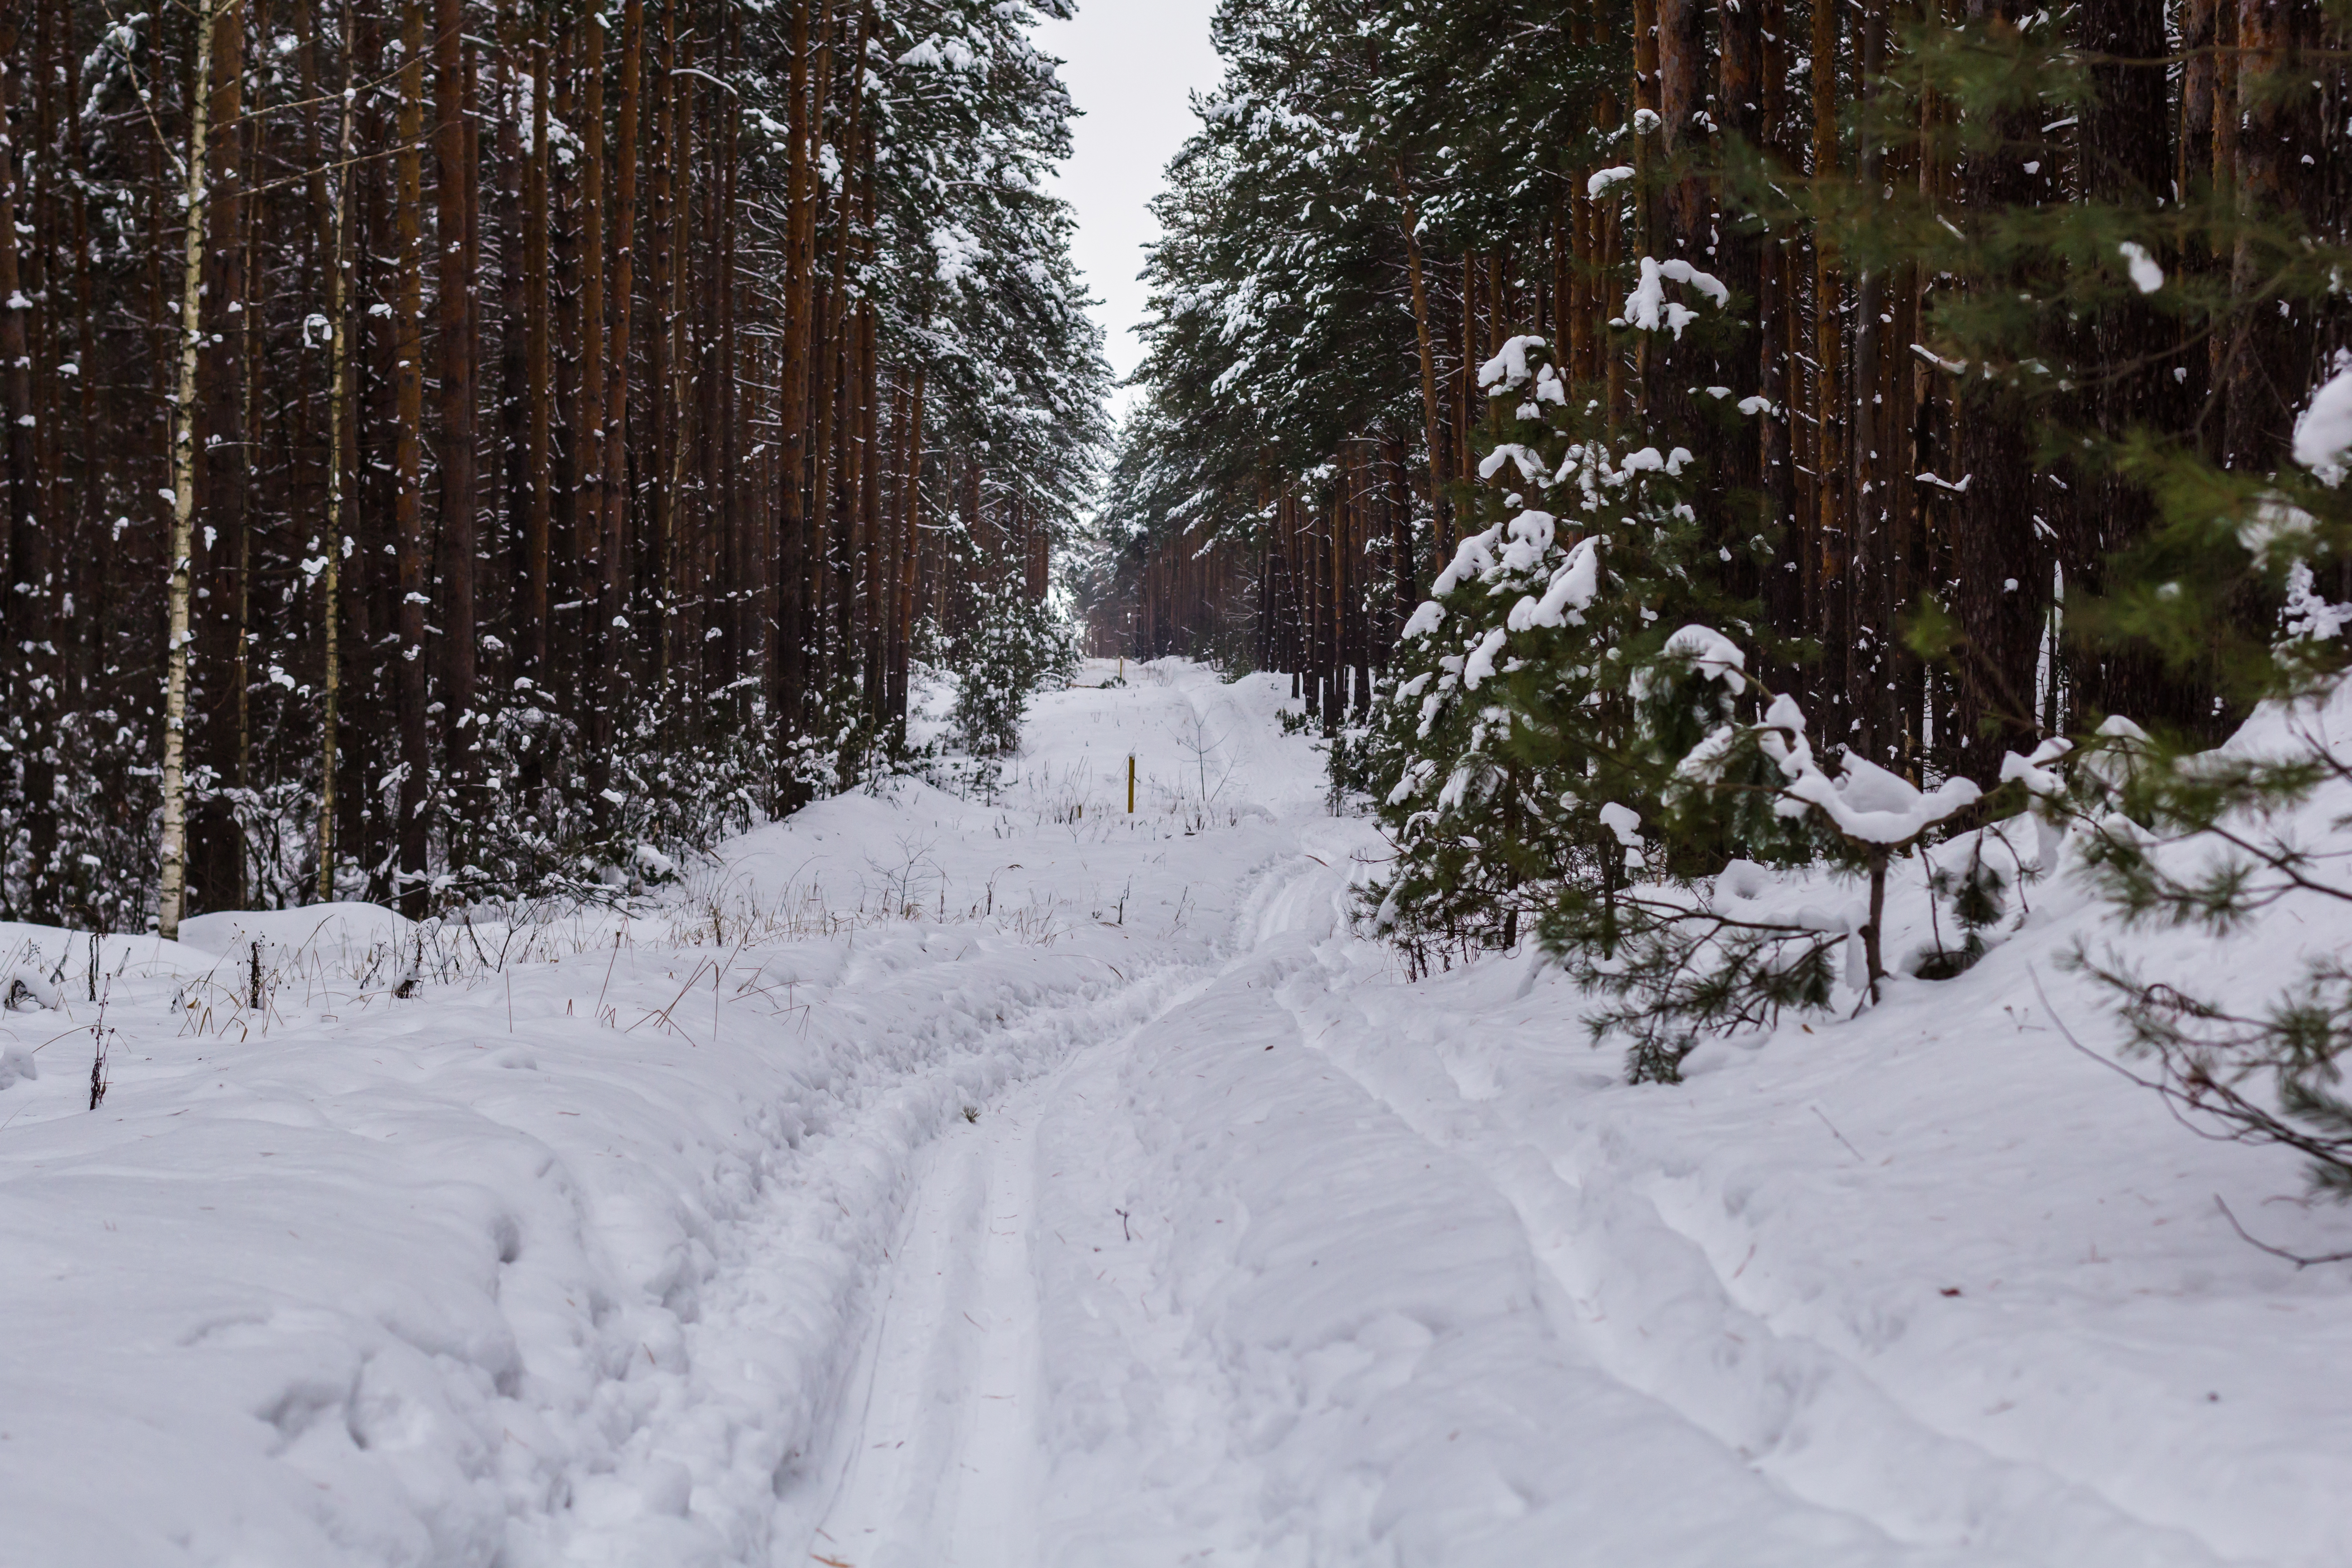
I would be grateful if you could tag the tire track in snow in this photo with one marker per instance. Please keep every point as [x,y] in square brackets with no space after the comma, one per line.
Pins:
[722,1446]
[1328,1348]
[1813,1420]
[939,1458]
[935,1457]
[942,1460]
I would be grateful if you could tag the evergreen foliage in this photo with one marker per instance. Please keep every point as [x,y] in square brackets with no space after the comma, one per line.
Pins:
[1016,648]
[1525,712]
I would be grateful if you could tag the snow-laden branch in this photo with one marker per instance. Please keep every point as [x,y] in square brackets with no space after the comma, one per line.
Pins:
[1647,309]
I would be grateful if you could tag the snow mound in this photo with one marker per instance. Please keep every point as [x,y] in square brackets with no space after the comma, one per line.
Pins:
[327,928]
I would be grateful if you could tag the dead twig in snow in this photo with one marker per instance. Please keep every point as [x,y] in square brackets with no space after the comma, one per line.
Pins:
[2297,1258]
[1836,1133]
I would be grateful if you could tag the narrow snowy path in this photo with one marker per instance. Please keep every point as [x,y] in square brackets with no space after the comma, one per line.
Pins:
[1268,1280]
[1216,1391]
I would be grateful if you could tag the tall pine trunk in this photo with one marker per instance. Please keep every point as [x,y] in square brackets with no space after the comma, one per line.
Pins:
[413,831]
[27,617]
[614,594]
[2002,589]
[217,849]
[790,671]
[338,419]
[453,177]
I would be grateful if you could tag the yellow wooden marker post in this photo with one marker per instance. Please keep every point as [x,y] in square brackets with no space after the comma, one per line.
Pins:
[1130,784]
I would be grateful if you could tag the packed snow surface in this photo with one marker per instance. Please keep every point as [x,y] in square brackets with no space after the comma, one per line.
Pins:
[991,1177]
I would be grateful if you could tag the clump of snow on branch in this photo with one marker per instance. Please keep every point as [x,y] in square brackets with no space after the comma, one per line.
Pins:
[2323,437]
[1708,652]
[1480,666]
[1863,803]
[2323,432]
[2146,275]
[1509,368]
[1569,593]
[1647,309]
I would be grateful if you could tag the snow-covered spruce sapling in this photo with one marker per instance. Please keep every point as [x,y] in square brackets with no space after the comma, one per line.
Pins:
[1682,953]
[1685,967]
[2212,841]
[1507,723]
[1017,648]
[1866,817]
[1975,891]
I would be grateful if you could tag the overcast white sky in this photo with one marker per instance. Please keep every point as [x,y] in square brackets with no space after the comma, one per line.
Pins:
[1130,66]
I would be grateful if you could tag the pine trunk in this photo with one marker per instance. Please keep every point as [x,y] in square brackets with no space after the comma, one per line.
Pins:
[453,176]
[613,600]
[414,832]
[788,690]
[338,419]
[216,851]
[2002,588]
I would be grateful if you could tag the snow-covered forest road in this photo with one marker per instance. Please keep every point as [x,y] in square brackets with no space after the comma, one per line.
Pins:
[993,1179]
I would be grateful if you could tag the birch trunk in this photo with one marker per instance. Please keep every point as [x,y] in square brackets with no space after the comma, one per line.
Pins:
[174,872]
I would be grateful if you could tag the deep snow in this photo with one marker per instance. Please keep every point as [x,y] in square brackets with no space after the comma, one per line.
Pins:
[996,1179]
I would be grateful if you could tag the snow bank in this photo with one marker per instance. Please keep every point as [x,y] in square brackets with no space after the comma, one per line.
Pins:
[342,929]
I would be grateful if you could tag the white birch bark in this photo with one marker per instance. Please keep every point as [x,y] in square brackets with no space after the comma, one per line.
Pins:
[173,876]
